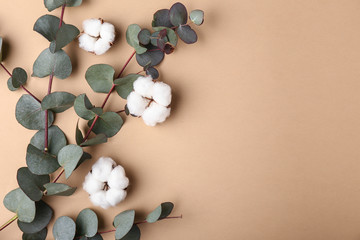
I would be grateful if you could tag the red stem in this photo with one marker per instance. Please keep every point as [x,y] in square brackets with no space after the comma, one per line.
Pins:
[127,62]
[62,15]
[5,69]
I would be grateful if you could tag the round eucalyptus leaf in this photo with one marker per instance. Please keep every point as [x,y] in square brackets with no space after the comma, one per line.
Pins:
[29,114]
[197,17]
[47,26]
[10,85]
[53,4]
[16,201]
[56,140]
[187,34]
[98,139]
[65,35]
[83,106]
[35,236]
[69,157]
[31,184]
[153,55]
[87,223]
[42,218]
[171,35]
[132,39]
[133,234]
[97,110]
[155,37]
[58,64]
[84,157]
[144,36]
[100,77]
[178,14]
[19,77]
[39,162]
[58,101]
[153,72]
[64,228]
[162,18]
[78,135]
[96,237]
[108,123]
[123,222]
[160,212]
[59,189]
[124,85]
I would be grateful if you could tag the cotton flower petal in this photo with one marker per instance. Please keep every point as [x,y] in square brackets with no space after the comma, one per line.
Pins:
[102,168]
[155,113]
[162,93]
[92,27]
[117,179]
[144,86]
[136,103]
[87,42]
[114,196]
[107,32]
[91,185]
[101,46]
[99,199]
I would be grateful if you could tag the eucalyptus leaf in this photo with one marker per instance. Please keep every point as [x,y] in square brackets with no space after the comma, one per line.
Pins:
[35,236]
[96,237]
[47,26]
[97,110]
[162,18]
[31,184]
[123,223]
[87,223]
[197,17]
[69,157]
[64,228]
[65,35]
[53,4]
[160,212]
[144,36]
[133,234]
[29,114]
[153,55]
[171,35]
[10,85]
[132,33]
[100,77]
[124,85]
[58,101]
[19,77]
[59,189]
[42,218]
[58,64]
[16,201]
[153,72]
[83,106]
[187,34]
[56,140]
[39,162]
[108,123]
[178,14]
[98,139]
[1,45]
[78,135]
[84,157]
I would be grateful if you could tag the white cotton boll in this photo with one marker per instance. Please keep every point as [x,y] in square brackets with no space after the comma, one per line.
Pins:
[99,199]
[136,103]
[102,168]
[155,113]
[107,32]
[162,93]
[101,46]
[117,179]
[114,196]
[144,86]
[92,27]
[87,42]
[92,185]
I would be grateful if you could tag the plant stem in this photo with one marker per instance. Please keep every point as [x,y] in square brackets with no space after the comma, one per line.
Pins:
[9,222]
[62,15]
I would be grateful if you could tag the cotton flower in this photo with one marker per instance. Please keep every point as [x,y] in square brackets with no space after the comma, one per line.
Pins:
[106,183]
[98,36]
[150,100]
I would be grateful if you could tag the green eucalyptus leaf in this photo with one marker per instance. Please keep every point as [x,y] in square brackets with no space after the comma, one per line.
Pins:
[31,184]
[108,123]
[127,112]
[133,234]
[29,114]
[160,212]
[58,64]
[155,37]
[171,35]
[35,236]
[132,33]
[65,35]
[39,162]
[54,4]
[162,18]
[78,135]
[83,106]
[97,110]
[16,201]
[19,77]
[58,101]
[197,17]
[10,85]
[42,218]
[153,72]
[56,140]
[178,14]
[84,157]
[68,158]
[124,85]
[123,223]
[187,34]
[64,228]
[96,237]
[59,189]
[144,36]
[98,139]
[47,26]
[100,77]
[87,223]
[153,55]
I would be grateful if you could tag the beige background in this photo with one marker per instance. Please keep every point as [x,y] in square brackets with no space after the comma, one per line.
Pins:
[263,141]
